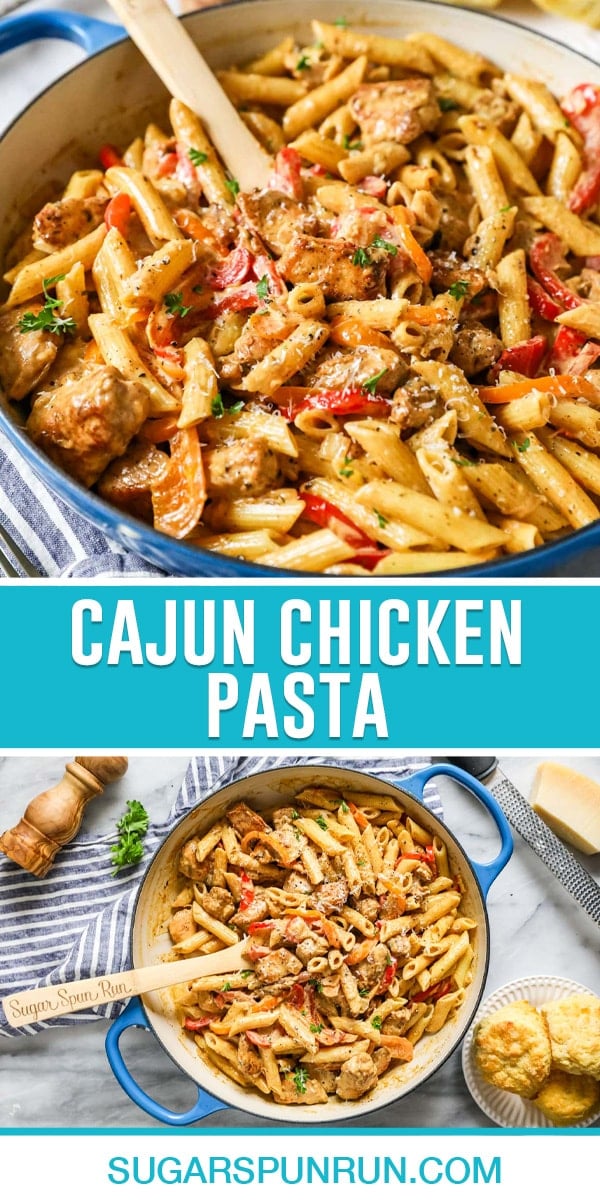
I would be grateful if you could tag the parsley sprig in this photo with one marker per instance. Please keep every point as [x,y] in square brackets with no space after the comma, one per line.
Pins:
[47,318]
[383,245]
[300,1078]
[370,385]
[361,258]
[196,157]
[459,289]
[218,408]
[175,306]
[132,828]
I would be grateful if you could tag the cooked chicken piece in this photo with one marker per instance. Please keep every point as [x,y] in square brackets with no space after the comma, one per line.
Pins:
[83,425]
[475,348]
[275,217]
[219,904]
[263,331]
[416,404]
[189,865]
[65,221]
[451,271]
[357,1076]
[257,910]
[295,882]
[454,227]
[25,358]
[127,482]
[352,368]
[391,906]
[398,1021]
[382,1059]
[399,946]
[310,947]
[244,467]
[182,925]
[371,970]
[326,1077]
[502,112]
[248,1060]
[396,111]
[277,965]
[331,263]
[369,907]
[246,820]
[331,897]
[312,1092]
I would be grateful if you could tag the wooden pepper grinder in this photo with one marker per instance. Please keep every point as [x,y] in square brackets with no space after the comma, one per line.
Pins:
[53,818]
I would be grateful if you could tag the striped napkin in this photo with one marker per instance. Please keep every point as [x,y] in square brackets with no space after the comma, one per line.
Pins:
[76,923]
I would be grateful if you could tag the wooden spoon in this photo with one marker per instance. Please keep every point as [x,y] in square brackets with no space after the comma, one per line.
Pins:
[163,41]
[41,1004]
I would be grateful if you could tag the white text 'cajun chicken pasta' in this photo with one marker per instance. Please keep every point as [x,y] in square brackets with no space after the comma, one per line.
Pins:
[383,363]
[357,944]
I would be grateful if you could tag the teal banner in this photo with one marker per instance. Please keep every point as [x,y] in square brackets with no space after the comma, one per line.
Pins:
[266,666]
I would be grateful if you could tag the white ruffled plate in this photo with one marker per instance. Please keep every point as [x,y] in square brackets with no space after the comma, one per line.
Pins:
[504,1107]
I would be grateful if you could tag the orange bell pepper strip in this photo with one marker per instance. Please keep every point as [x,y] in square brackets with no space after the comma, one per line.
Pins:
[362,821]
[560,386]
[348,331]
[360,952]
[399,1047]
[425,314]
[410,243]
[179,497]
[160,429]
[330,930]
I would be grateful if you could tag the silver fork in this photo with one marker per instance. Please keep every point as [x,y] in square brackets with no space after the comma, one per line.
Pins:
[9,551]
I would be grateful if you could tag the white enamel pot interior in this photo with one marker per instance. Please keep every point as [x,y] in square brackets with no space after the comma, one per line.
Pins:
[150,942]
[114,93]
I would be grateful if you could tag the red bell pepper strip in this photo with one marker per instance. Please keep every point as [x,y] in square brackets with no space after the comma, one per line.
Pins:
[342,401]
[233,301]
[167,163]
[296,996]
[545,256]
[386,978]
[435,992]
[540,302]
[286,175]
[373,185]
[109,157]
[263,265]
[259,1039]
[257,926]
[186,171]
[524,357]
[118,212]
[572,353]
[196,1023]
[329,517]
[235,269]
[582,107]
[247,892]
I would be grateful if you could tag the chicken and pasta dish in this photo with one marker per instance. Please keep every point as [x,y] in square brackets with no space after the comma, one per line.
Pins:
[357,943]
[384,362]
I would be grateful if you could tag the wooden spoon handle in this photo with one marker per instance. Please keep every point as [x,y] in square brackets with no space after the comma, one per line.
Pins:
[42,1004]
[165,44]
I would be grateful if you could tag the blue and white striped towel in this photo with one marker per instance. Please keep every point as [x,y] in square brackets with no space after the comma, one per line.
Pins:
[76,923]
[51,536]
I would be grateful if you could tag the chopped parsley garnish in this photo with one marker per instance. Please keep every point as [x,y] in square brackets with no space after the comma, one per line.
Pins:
[446,103]
[226,987]
[316,984]
[218,409]
[174,305]
[262,288]
[383,245]
[459,290]
[346,471]
[295,815]
[344,807]
[233,186]
[505,208]
[47,318]
[461,462]
[198,288]
[196,157]
[132,828]
[342,22]
[381,520]
[361,258]
[348,145]
[300,1078]
[523,446]
[303,63]
[364,991]
[245,974]
[316,1028]
[321,822]
[377,1022]
[370,385]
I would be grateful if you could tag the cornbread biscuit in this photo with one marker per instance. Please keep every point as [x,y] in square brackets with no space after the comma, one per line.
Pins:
[566,1099]
[574,1028]
[512,1049]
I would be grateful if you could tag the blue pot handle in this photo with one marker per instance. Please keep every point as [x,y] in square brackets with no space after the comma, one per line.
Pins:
[485,872]
[90,34]
[134,1015]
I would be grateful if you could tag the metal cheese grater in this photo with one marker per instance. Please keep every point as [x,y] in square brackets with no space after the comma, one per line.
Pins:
[548,847]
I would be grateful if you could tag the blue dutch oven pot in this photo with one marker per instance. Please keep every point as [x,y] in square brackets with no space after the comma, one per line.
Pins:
[109,97]
[160,884]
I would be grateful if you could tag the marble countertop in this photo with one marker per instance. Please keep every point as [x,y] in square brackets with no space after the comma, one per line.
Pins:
[62,1078]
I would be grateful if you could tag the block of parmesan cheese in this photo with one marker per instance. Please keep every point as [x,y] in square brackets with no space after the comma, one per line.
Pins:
[570,805]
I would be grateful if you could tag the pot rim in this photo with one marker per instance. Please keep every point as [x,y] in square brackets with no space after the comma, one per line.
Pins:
[461,854]
[161,550]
